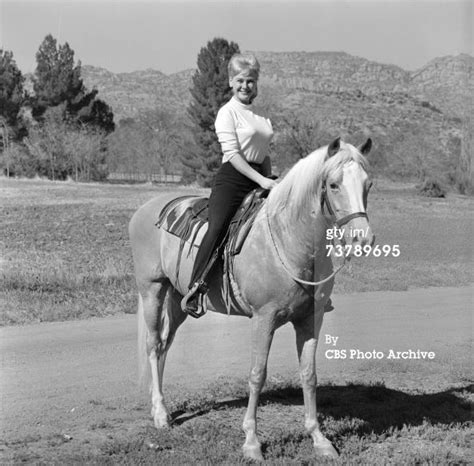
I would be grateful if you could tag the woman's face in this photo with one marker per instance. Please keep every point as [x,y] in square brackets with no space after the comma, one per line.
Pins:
[244,86]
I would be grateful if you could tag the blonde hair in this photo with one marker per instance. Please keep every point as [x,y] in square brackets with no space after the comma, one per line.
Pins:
[243,62]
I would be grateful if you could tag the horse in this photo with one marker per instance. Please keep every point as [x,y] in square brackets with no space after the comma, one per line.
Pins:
[279,281]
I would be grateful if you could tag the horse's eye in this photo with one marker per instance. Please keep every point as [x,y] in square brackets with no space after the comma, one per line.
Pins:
[333,186]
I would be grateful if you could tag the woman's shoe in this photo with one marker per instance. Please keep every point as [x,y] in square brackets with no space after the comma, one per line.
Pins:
[328,307]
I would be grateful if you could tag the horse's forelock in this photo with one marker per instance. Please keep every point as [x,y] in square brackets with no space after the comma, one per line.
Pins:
[333,165]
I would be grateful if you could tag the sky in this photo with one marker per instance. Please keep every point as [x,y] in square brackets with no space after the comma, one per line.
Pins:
[124,36]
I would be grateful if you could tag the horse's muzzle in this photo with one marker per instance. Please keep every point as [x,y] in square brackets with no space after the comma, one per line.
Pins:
[358,235]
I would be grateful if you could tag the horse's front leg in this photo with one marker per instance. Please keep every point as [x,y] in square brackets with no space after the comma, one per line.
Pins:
[262,336]
[307,334]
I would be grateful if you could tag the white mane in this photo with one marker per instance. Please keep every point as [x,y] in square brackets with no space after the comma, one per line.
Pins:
[301,186]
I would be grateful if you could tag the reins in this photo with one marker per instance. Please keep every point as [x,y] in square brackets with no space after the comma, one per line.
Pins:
[338,222]
[288,271]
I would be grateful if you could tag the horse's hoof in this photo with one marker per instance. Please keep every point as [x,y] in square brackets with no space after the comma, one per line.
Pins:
[326,450]
[253,452]
[163,421]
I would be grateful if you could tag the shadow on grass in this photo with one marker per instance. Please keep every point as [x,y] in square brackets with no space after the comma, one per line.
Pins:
[380,408]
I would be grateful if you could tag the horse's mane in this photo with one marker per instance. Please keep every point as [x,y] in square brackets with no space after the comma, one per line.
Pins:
[302,184]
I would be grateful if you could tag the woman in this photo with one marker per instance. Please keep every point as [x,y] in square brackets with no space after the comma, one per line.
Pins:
[245,137]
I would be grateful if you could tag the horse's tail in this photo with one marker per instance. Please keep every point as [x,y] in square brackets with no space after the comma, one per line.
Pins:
[144,373]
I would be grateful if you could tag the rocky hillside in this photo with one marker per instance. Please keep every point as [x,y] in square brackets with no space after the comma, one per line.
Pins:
[130,93]
[448,82]
[335,71]
[444,83]
[418,119]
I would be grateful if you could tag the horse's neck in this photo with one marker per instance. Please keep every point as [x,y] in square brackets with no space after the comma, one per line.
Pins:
[302,238]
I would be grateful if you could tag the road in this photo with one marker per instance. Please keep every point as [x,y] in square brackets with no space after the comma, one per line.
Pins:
[63,377]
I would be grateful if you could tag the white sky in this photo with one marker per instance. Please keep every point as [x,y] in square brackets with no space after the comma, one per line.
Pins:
[167,36]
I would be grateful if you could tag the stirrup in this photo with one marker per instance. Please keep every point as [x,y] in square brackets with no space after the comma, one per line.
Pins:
[196,294]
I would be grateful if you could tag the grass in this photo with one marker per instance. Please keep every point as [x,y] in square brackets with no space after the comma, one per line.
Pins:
[65,251]
[368,424]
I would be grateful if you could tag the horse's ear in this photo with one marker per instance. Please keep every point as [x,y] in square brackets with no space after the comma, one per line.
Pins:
[334,147]
[364,149]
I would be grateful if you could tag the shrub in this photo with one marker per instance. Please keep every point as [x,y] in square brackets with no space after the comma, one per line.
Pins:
[431,188]
[58,151]
[17,161]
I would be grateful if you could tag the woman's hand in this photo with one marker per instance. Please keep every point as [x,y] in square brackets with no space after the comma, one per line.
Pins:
[242,166]
[268,183]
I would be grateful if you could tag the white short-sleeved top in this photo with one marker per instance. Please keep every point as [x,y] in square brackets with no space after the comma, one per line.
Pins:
[241,130]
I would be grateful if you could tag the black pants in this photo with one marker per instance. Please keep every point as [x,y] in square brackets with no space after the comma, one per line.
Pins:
[228,191]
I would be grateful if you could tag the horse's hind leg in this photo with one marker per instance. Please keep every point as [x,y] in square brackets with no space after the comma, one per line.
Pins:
[162,316]
[307,334]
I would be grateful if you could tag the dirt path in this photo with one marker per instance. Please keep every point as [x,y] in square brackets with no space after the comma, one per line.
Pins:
[66,378]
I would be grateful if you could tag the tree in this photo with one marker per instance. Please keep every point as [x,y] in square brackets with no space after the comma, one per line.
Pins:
[464,176]
[57,150]
[58,81]
[148,144]
[11,99]
[93,112]
[210,90]
[298,136]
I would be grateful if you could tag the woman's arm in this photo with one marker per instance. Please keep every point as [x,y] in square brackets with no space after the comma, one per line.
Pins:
[242,166]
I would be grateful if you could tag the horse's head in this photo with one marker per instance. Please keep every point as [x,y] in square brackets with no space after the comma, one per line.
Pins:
[344,190]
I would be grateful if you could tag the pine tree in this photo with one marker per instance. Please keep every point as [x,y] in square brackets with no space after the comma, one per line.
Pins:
[58,82]
[209,92]
[93,111]
[11,98]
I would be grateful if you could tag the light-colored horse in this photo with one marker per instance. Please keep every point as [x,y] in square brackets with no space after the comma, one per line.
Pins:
[285,247]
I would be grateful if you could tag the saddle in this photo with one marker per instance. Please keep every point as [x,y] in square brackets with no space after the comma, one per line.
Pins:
[186,215]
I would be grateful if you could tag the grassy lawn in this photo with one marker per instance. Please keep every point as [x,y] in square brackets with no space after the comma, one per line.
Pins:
[65,252]
[369,424]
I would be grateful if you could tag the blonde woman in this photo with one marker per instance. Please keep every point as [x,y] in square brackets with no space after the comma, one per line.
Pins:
[244,135]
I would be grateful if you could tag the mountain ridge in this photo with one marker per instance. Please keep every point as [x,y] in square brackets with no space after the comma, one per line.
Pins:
[446,82]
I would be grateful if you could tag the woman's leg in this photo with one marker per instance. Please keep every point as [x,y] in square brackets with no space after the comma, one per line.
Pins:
[229,190]
[223,204]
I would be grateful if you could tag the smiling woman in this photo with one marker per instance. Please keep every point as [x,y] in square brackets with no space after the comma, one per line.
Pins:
[245,136]
[243,76]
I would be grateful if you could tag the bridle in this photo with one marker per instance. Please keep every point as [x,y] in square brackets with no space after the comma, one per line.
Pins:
[338,222]
[341,221]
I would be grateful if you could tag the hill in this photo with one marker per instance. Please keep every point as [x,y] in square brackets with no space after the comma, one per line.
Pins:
[419,120]
[446,83]
[131,93]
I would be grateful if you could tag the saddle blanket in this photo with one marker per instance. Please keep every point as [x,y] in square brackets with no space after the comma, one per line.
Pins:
[185,216]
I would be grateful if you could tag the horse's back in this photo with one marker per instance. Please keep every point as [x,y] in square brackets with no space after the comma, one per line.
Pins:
[142,224]
[146,238]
